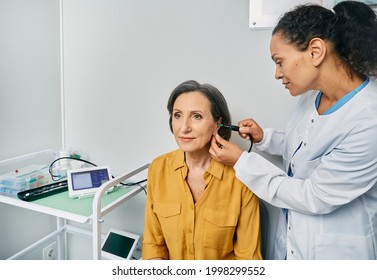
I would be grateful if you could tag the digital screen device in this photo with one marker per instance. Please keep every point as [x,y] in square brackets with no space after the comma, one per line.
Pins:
[85,181]
[119,245]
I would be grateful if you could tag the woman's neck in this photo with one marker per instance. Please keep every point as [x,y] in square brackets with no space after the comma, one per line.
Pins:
[197,163]
[198,160]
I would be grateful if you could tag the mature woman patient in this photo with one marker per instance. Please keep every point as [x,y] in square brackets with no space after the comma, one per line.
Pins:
[196,208]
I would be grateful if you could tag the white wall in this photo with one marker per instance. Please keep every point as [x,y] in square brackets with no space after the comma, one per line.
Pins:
[29,104]
[122,59]
[29,76]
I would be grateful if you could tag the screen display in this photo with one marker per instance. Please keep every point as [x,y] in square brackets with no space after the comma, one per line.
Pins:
[118,245]
[89,179]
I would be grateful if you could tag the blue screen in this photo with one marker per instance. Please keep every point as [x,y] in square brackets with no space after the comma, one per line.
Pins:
[89,179]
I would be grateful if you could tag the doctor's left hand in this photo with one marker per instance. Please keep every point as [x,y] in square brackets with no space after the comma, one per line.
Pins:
[224,151]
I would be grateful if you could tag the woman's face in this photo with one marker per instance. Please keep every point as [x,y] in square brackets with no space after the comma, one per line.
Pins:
[293,67]
[192,122]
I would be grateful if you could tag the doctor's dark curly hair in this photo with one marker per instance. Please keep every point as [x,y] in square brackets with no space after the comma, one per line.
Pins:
[351,27]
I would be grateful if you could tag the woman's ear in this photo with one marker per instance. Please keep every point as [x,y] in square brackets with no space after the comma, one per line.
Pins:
[219,122]
[317,48]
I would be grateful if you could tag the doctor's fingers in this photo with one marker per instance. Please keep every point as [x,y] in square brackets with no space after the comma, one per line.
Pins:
[224,151]
[249,128]
[214,148]
[217,142]
[246,122]
[218,145]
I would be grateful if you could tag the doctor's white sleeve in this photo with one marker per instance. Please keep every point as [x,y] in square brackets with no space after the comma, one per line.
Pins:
[331,180]
[272,142]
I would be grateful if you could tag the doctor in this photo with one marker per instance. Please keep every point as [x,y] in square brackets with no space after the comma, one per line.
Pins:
[329,147]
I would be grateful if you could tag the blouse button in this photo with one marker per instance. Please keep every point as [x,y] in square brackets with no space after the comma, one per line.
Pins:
[312,120]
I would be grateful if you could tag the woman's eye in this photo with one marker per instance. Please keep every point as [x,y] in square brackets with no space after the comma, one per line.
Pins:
[197,116]
[177,115]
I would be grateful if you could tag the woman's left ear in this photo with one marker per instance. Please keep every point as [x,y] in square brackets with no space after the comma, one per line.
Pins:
[318,49]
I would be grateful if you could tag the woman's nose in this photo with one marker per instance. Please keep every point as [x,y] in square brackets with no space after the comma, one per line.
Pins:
[186,125]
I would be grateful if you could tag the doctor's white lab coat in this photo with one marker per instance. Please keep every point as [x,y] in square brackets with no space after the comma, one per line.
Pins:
[332,196]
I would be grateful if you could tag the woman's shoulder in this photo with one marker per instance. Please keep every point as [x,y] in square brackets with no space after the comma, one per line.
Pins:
[230,173]
[167,158]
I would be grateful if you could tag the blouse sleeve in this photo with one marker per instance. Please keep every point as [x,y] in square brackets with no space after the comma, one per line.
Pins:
[247,243]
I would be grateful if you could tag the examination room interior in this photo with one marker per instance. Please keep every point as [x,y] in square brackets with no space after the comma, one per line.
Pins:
[94,77]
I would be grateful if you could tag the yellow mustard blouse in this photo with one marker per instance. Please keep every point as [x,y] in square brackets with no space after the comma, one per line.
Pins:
[223,224]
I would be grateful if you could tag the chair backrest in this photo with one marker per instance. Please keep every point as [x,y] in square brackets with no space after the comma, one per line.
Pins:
[264,220]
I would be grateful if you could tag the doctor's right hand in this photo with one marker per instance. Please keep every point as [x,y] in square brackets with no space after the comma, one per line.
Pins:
[224,151]
[250,128]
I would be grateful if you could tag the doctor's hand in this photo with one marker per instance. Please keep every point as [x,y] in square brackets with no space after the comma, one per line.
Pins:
[248,128]
[224,151]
